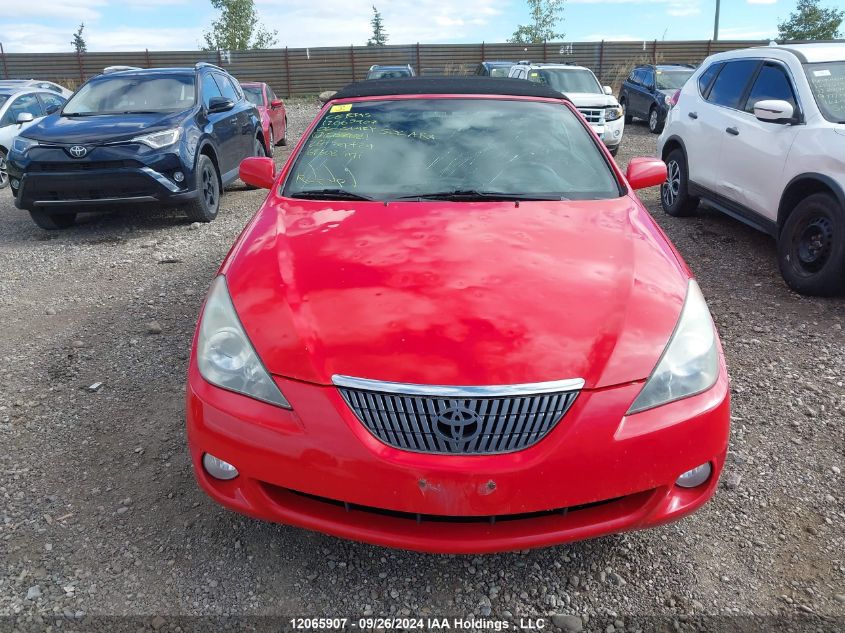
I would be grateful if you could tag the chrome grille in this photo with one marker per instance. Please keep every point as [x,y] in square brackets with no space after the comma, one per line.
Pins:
[593,115]
[442,421]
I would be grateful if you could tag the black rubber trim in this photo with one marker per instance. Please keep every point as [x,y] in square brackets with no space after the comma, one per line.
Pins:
[471,84]
[734,209]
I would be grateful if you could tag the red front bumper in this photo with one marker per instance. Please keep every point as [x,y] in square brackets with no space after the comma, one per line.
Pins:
[597,472]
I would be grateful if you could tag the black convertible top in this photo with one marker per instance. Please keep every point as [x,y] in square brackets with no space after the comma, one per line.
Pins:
[471,84]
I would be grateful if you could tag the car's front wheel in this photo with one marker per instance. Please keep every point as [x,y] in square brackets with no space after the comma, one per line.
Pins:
[655,125]
[205,206]
[284,140]
[811,246]
[272,144]
[674,193]
[52,221]
[4,175]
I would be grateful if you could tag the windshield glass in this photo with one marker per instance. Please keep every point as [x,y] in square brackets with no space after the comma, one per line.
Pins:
[3,99]
[118,95]
[827,81]
[565,81]
[500,70]
[672,79]
[389,73]
[414,147]
[253,95]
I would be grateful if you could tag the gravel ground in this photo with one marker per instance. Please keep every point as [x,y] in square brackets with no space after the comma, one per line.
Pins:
[100,515]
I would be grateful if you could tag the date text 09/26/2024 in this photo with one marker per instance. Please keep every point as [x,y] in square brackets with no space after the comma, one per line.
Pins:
[404,624]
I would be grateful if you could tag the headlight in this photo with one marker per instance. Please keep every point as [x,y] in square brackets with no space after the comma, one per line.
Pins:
[613,113]
[22,144]
[690,362]
[224,354]
[157,140]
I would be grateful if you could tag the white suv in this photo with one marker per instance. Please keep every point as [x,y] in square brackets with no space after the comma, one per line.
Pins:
[596,103]
[759,134]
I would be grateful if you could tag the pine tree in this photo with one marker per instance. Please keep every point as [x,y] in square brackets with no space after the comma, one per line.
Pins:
[78,42]
[379,37]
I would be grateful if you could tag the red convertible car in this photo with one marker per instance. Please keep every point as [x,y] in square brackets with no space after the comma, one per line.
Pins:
[274,120]
[453,327]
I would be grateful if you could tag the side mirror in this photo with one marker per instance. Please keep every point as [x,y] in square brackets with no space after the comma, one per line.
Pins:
[220,104]
[645,172]
[258,171]
[51,109]
[774,111]
[607,90]
[276,103]
[25,117]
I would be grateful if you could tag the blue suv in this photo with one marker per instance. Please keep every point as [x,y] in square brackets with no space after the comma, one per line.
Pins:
[173,136]
[647,92]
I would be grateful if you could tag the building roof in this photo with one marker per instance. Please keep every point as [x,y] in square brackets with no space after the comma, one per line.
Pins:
[447,86]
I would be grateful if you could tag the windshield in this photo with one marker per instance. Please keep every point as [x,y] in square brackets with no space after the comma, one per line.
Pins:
[254,95]
[827,81]
[119,95]
[564,80]
[416,147]
[500,70]
[672,79]
[391,73]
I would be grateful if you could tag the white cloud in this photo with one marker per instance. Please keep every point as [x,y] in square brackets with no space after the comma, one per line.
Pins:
[340,22]
[37,38]
[75,10]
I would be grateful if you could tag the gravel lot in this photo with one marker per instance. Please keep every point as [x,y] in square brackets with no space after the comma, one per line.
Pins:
[100,515]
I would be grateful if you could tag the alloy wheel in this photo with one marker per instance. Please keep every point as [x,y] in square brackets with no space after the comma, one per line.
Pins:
[4,175]
[652,120]
[672,187]
[209,188]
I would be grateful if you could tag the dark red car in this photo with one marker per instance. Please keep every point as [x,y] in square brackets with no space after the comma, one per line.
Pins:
[274,120]
[453,327]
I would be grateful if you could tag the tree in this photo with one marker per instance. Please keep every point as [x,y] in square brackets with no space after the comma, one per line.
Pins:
[78,42]
[237,28]
[379,37]
[809,21]
[545,14]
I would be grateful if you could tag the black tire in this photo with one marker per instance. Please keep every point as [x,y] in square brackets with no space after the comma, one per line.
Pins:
[628,117]
[284,140]
[4,175]
[811,246]
[613,150]
[272,143]
[258,148]
[52,221]
[205,206]
[655,125]
[674,195]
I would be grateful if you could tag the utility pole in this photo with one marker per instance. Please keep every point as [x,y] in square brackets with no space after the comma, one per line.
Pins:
[716,22]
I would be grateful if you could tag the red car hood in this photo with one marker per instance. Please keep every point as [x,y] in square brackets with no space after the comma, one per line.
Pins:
[457,293]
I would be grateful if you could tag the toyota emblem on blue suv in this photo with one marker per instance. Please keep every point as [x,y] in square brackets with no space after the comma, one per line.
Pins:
[134,136]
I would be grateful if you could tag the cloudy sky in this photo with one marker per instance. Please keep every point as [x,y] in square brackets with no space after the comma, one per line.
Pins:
[47,25]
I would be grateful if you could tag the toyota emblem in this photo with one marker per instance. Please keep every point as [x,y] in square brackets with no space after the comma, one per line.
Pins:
[78,151]
[458,425]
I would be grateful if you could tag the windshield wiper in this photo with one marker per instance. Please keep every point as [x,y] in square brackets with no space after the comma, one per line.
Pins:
[475,194]
[329,194]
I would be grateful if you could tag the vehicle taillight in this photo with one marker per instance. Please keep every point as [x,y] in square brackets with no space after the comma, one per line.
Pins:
[674,100]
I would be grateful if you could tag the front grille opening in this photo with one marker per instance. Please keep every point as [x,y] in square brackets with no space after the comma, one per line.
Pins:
[458,426]
[438,518]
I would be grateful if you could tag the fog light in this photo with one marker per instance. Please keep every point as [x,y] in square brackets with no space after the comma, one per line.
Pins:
[178,176]
[217,468]
[616,133]
[695,477]
[15,183]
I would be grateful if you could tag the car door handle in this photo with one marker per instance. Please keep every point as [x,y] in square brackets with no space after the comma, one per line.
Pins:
[732,131]
[692,115]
